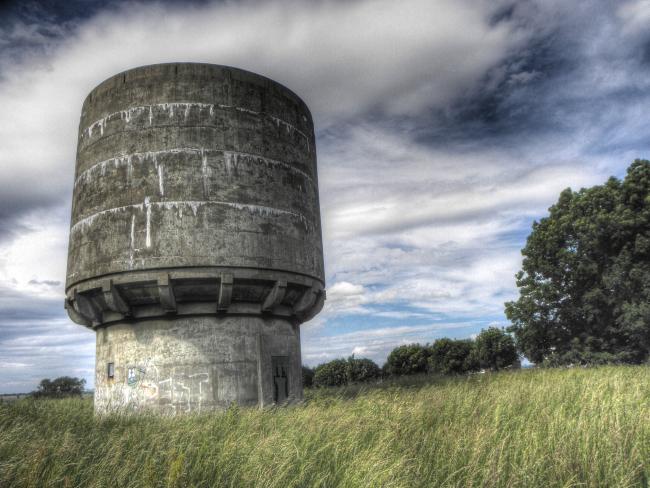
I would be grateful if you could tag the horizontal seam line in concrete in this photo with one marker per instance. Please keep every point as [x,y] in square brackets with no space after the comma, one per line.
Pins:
[239,206]
[176,150]
[142,129]
[211,106]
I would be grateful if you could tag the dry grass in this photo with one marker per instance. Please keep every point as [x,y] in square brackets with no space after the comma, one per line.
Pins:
[543,428]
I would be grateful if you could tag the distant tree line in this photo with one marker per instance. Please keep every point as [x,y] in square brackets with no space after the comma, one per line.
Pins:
[61,387]
[493,349]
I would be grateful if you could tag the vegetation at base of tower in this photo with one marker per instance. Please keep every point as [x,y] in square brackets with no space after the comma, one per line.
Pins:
[565,427]
[345,371]
[60,387]
[585,280]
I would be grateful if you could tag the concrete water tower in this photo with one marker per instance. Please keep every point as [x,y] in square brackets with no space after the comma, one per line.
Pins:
[195,242]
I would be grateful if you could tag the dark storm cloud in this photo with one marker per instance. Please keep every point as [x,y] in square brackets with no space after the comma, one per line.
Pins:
[580,71]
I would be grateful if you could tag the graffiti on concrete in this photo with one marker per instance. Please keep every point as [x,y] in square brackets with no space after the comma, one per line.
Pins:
[178,392]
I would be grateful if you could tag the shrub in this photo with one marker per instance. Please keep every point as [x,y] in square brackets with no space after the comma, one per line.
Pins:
[495,349]
[449,356]
[333,373]
[344,371]
[360,370]
[407,359]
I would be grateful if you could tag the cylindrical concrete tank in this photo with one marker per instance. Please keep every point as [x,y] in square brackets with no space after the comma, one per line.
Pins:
[195,241]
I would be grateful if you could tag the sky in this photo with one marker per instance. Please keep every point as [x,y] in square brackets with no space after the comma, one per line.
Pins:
[444,129]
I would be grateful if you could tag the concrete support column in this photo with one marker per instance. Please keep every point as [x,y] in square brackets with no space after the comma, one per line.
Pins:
[192,364]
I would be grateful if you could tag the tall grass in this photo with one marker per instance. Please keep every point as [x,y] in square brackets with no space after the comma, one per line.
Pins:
[543,428]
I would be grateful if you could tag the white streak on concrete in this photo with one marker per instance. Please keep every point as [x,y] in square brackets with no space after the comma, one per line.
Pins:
[233,158]
[160,180]
[204,174]
[88,221]
[87,174]
[148,235]
[132,249]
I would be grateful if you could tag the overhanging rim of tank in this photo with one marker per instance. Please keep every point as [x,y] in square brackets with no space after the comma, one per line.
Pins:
[120,297]
[215,270]
[196,63]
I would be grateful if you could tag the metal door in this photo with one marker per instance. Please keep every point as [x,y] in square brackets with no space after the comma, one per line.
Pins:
[280,365]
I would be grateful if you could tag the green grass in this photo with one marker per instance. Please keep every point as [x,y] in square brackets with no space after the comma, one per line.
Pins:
[542,428]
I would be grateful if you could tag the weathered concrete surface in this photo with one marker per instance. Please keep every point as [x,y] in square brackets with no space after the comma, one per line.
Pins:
[195,225]
[194,364]
[194,165]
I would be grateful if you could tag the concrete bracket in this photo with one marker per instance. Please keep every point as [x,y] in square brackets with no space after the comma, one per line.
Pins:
[317,307]
[307,300]
[166,292]
[74,315]
[225,292]
[114,299]
[275,296]
[85,307]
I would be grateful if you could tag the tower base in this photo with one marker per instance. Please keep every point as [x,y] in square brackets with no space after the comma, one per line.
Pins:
[197,363]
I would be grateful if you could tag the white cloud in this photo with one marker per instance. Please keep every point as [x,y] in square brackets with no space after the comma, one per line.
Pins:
[635,15]
[413,230]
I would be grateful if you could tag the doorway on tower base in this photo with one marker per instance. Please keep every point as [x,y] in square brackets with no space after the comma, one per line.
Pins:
[280,365]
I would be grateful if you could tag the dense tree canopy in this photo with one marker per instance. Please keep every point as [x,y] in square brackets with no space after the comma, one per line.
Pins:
[340,372]
[585,280]
[452,356]
[407,359]
[495,349]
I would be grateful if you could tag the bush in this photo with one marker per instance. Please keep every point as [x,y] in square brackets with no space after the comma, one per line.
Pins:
[408,359]
[449,356]
[60,387]
[307,377]
[344,371]
[579,356]
[360,370]
[495,349]
[333,373]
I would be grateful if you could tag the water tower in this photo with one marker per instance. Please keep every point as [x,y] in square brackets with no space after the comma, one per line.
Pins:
[195,241]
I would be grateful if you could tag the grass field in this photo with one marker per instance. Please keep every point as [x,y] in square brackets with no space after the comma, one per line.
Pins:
[537,428]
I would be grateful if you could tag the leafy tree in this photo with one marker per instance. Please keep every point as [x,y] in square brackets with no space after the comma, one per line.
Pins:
[360,370]
[407,359]
[340,372]
[585,279]
[333,373]
[60,387]
[307,377]
[495,349]
[449,356]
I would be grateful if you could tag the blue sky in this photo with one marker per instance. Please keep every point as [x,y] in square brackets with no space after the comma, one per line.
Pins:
[444,128]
